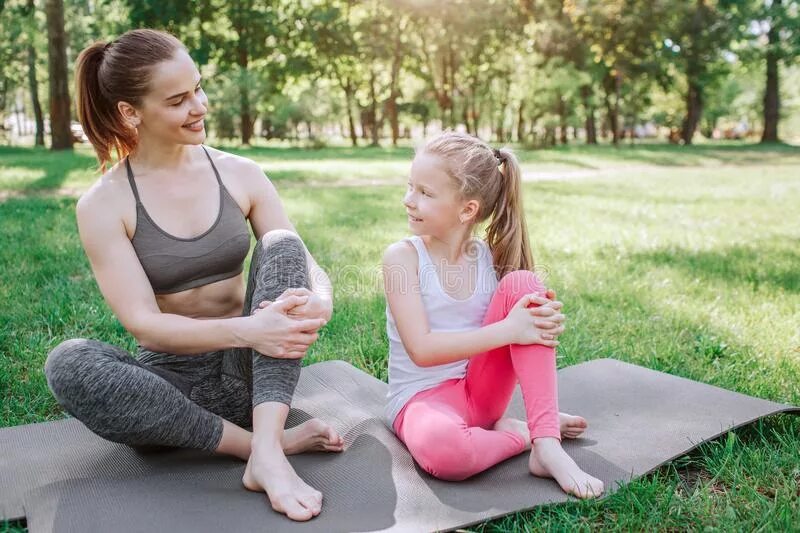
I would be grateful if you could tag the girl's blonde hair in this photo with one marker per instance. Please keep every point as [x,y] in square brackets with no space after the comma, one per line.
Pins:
[492,177]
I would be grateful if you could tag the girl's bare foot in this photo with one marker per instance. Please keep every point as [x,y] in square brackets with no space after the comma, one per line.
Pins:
[512,425]
[548,459]
[269,471]
[571,427]
[311,436]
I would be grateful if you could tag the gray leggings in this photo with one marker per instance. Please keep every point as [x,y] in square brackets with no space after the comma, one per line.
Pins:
[161,399]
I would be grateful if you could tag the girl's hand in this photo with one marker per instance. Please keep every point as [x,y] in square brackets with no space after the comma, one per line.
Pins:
[535,325]
[550,324]
[271,331]
[315,307]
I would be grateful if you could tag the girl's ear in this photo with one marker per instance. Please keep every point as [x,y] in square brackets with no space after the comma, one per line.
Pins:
[469,212]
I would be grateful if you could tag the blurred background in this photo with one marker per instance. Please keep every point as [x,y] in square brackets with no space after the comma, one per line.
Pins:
[331,72]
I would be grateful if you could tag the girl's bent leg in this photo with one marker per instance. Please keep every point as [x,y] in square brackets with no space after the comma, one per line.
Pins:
[125,401]
[491,377]
[434,428]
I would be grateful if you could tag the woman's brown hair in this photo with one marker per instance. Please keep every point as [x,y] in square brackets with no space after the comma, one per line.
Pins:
[108,73]
[492,177]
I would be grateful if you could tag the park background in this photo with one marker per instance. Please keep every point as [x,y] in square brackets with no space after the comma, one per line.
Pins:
[658,144]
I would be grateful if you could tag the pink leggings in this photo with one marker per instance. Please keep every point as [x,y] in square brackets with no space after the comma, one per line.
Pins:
[448,429]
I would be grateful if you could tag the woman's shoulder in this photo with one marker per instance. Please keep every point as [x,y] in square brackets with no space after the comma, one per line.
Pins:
[108,194]
[234,165]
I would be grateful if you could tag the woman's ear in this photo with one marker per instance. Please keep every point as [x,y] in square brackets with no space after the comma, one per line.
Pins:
[130,115]
[469,212]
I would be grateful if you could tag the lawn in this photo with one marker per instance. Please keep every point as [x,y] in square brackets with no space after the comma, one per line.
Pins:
[680,259]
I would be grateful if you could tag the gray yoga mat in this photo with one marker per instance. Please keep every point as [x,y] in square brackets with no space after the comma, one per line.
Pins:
[63,478]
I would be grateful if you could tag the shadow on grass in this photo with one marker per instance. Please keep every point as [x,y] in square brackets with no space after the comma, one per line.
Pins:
[56,166]
[739,265]
[670,155]
[310,154]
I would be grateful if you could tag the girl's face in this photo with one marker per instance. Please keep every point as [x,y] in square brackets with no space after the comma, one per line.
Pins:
[432,202]
[173,110]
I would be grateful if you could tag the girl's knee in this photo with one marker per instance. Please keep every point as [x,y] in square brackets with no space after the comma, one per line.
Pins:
[521,282]
[446,455]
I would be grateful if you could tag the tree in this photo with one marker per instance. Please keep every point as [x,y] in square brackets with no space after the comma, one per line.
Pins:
[57,62]
[783,43]
[622,40]
[33,82]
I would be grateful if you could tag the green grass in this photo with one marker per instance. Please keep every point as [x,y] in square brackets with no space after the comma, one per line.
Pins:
[680,259]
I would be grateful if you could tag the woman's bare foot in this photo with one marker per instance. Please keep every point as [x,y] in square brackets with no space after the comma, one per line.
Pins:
[548,459]
[311,436]
[571,427]
[269,471]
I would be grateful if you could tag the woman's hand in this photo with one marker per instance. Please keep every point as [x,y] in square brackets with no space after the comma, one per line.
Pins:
[315,307]
[535,325]
[272,330]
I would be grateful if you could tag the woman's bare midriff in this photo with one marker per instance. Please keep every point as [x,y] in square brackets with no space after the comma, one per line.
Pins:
[222,299]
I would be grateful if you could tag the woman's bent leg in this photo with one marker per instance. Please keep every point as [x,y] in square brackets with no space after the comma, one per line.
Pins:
[125,401]
[278,263]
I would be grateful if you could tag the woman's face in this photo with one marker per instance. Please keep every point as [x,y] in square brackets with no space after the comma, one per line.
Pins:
[174,109]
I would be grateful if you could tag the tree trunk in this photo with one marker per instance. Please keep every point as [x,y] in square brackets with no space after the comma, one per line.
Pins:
[694,110]
[772,103]
[34,88]
[391,104]
[465,115]
[373,108]
[33,82]
[57,65]
[521,123]
[591,130]
[347,87]
[550,136]
[617,96]
[245,114]
[562,113]
[611,86]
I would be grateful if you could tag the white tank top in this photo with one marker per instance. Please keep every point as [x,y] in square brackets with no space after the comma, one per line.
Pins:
[444,313]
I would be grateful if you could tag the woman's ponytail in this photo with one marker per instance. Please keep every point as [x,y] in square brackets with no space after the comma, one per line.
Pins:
[101,122]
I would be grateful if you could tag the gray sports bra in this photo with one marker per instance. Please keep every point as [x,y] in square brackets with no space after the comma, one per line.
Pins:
[173,264]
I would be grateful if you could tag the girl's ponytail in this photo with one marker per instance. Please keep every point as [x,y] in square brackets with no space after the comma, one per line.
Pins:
[507,232]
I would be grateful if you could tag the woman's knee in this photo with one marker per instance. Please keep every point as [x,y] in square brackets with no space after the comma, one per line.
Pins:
[74,360]
[283,239]
[518,283]
[61,362]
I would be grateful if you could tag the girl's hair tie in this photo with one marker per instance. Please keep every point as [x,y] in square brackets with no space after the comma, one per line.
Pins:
[501,158]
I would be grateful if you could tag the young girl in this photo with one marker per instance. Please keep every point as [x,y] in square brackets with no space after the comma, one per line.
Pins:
[459,339]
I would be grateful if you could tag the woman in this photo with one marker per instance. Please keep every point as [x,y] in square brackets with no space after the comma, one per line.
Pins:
[165,231]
